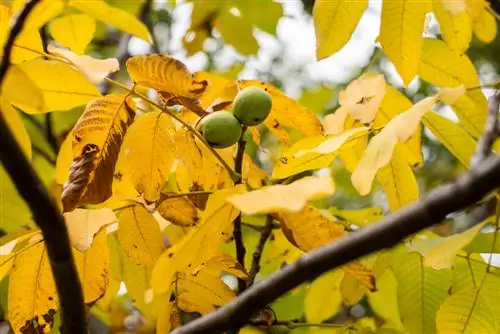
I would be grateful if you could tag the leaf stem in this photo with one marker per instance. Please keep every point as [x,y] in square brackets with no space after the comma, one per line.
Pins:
[234,175]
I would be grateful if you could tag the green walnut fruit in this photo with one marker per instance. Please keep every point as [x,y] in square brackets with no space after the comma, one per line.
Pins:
[220,129]
[252,105]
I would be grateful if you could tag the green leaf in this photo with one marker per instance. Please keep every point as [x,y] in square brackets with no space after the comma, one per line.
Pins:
[323,299]
[237,32]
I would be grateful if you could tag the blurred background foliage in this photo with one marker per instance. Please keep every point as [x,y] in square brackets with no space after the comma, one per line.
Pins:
[273,42]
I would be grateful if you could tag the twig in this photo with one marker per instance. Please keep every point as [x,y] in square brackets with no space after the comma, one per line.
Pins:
[257,254]
[49,133]
[468,189]
[43,154]
[293,324]
[491,130]
[237,234]
[43,207]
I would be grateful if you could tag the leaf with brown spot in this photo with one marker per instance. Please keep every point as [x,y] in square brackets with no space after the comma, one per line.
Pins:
[140,236]
[178,210]
[97,138]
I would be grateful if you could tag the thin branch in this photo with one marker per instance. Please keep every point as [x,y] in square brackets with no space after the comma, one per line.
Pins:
[468,189]
[43,207]
[257,254]
[237,234]
[49,133]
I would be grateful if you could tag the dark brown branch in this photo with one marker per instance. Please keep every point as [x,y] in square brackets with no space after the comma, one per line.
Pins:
[468,189]
[45,212]
[237,235]
[257,254]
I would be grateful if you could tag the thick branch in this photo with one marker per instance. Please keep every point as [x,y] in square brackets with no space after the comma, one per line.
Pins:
[468,189]
[45,212]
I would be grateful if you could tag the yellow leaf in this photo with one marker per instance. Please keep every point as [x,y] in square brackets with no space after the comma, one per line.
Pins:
[29,98]
[450,95]
[334,23]
[219,91]
[455,24]
[28,44]
[363,96]
[93,268]
[323,299]
[64,159]
[41,14]
[361,217]
[140,236]
[420,291]
[284,198]
[334,123]
[16,125]
[237,32]
[96,143]
[474,8]
[471,311]
[315,152]
[166,74]
[401,34]
[384,301]
[148,153]
[398,181]
[74,31]
[199,245]
[485,27]
[33,300]
[71,89]
[116,17]
[472,116]
[443,254]
[84,224]
[452,136]
[94,69]
[286,112]
[178,210]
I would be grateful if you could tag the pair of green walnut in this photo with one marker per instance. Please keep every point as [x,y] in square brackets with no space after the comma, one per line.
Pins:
[222,129]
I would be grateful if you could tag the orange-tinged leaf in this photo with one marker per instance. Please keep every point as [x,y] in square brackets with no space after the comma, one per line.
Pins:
[401,34]
[94,69]
[74,31]
[363,274]
[398,181]
[93,268]
[140,236]
[219,90]
[70,90]
[455,24]
[485,27]
[452,136]
[363,96]
[97,137]
[165,74]
[199,245]
[178,210]
[286,111]
[33,300]
[334,23]
[323,299]
[114,16]
[83,225]
[284,198]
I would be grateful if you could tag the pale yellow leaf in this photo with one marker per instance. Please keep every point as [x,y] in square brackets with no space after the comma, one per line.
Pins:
[96,140]
[398,181]
[401,34]
[199,245]
[323,299]
[33,300]
[443,254]
[113,16]
[41,14]
[334,123]
[71,89]
[315,152]
[421,291]
[140,236]
[284,198]
[148,153]
[16,125]
[165,74]
[178,210]
[485,27]
[94,69]
[334,23]
[93,268]
[83,225]
[405,124]
[74,31]
[452,136]
[455,24]
[363,96]
[450,95]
